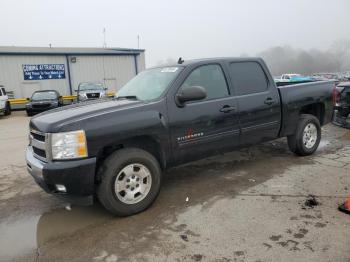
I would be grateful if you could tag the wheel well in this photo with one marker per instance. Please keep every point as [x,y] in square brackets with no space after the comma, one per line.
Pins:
[316,109]
[147,143]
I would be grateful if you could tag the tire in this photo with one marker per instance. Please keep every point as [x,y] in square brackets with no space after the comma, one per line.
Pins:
[8,109]
[305,146]
[29,113]
[126,161]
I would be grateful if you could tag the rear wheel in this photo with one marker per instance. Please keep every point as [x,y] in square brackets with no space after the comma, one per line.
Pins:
[130,181]
[8,109]
[307,136]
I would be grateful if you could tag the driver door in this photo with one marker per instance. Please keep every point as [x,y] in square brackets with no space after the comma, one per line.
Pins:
[205,127]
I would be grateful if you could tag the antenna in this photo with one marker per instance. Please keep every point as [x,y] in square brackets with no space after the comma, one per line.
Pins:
[180,61]
[104,38]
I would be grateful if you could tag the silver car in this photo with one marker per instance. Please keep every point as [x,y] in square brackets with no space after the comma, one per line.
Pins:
[90,90]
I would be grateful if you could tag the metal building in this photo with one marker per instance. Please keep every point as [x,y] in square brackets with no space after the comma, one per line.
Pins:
[24,70]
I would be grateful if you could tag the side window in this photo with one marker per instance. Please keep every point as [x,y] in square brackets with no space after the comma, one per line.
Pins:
[3,91]
[210,77]
[248,78]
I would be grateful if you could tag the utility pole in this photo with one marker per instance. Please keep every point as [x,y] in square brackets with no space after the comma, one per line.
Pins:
[104,38]
[138,41]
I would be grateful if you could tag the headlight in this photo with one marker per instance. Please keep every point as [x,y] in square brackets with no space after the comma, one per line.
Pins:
[69,145]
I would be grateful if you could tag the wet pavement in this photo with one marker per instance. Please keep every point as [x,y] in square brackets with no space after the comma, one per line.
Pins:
[248,205]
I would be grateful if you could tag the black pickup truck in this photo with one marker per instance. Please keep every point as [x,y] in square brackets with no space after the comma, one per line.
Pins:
[117,149]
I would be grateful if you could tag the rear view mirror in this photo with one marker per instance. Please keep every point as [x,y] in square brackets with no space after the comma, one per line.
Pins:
[192,93]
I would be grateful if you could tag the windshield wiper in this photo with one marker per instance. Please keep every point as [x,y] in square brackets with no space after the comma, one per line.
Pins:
[127,97]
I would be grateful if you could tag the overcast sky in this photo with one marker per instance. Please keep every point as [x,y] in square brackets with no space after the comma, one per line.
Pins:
[169,29]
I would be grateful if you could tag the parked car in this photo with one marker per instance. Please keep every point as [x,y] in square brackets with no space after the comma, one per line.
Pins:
[90,91]
[42,101]
[342,104]
[5,107]
[166,116]
[293,78]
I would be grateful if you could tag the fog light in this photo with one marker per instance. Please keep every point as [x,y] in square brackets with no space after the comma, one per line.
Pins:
[61,188]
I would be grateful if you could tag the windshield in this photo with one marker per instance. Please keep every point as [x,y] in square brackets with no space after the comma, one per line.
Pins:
[149,84]
[90,86]
[44,96]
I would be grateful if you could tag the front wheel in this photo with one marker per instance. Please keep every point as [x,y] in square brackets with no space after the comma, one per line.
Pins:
[307,136]
[130,181]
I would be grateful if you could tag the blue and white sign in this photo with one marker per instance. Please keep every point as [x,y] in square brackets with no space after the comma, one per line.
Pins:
[44,72]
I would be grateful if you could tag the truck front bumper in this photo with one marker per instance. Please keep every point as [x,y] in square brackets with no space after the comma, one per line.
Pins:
[76,176]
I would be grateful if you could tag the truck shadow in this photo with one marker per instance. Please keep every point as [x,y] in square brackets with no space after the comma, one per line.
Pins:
[196,185]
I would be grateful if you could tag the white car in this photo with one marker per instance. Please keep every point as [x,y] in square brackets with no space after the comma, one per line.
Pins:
[4,102]
[288,77]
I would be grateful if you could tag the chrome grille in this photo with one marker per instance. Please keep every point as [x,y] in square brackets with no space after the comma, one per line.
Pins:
[38,142]
[93,95]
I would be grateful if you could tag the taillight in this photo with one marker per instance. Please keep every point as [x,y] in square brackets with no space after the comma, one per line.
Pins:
[335,95]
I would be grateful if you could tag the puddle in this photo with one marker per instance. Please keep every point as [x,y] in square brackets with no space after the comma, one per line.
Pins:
[346,136]
[18,238]
[23,236]
[323,144]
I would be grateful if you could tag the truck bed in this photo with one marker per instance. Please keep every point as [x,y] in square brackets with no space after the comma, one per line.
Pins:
[298,96]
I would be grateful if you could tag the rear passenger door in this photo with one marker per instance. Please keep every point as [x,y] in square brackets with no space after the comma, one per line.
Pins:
[258,102]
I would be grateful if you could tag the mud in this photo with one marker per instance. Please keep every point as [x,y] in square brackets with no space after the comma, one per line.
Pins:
[242,206]
[311,202]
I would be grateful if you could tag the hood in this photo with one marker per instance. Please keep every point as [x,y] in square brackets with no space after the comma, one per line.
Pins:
[70,116]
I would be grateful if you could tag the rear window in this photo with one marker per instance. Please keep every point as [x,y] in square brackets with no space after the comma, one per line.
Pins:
[248,78]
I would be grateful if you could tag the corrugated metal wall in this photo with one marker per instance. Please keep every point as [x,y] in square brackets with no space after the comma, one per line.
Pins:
[12,75]
[113,70]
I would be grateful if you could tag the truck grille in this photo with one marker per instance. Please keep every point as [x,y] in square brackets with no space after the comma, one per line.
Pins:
[93,95]
[37,141]
[41,105]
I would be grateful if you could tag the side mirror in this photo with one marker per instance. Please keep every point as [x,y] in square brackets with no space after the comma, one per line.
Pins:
[192,93]
[28,99]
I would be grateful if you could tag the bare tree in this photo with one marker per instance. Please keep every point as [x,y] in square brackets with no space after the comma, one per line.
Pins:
[285,59]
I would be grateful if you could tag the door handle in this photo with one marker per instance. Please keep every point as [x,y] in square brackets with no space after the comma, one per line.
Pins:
[227,109]
[269,101]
